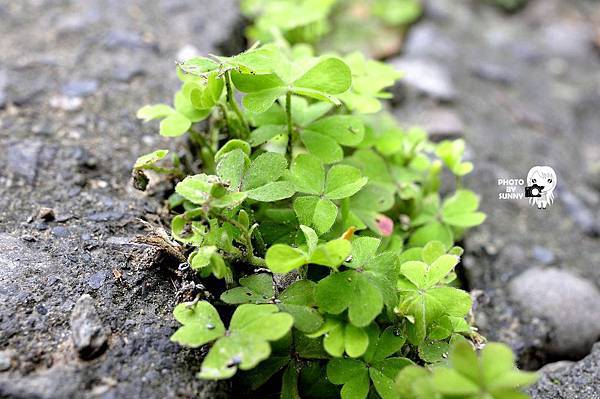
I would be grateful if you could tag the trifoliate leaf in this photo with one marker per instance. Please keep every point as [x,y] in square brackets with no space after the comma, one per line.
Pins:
[251,327]
[459,210]
[201,324]
[257,288]
[353,291]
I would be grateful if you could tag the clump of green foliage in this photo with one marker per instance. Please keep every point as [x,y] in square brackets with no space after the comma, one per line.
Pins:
[322,221]
[374,26]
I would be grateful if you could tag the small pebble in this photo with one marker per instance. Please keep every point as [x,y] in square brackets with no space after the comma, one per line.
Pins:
[87,332]
[41,309]
[6,357]
[543,255]
[80,88]
[97,280]
[60,231]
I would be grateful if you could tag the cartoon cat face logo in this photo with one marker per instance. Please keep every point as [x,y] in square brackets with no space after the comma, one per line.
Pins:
[541,182]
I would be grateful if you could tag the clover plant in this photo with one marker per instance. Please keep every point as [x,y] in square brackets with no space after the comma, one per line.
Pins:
[376,26]
[318,223]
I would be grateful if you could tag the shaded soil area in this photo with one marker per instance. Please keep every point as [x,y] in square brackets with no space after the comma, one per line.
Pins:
[72,75]
[522,89]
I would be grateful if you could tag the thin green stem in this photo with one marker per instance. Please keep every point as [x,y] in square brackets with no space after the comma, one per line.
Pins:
[199,139]
[233,104]
[290,127]
[246,234]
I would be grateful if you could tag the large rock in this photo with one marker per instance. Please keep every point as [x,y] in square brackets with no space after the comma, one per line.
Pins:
[570,304]
[566,380]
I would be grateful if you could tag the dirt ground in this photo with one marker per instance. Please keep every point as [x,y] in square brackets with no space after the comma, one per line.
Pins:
[521,89]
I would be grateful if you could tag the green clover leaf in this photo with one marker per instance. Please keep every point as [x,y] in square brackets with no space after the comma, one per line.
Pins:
[374,370]
[426,304]
[242,346]
[282,258]
[491,375]
[328,77]
[308,176]
[297,299]
[459,210]
[363,290]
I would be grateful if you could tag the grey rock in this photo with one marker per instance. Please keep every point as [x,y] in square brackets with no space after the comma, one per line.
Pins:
[60,231]
[88,334]
[3,84]
[106,216]
[66,103]
[426,39]
[427,77]
[579,213]
[543,255]
[23,159]
[570,304]
[56,382]
[80,88]
[441,123]
[567,39]
[127,40]
[6,358]
[126,72]
[493,73]
[97,279]
[568,380]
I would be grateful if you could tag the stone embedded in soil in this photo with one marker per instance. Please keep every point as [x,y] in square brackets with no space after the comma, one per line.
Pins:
[23,159]
[6,357]
[88,334]
[572,380]
[441,123]
[80,88]
[543,255]
[427,77]
[97,279]
[569,303]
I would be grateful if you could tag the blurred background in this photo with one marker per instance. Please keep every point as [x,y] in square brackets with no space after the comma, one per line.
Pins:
[518,80]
